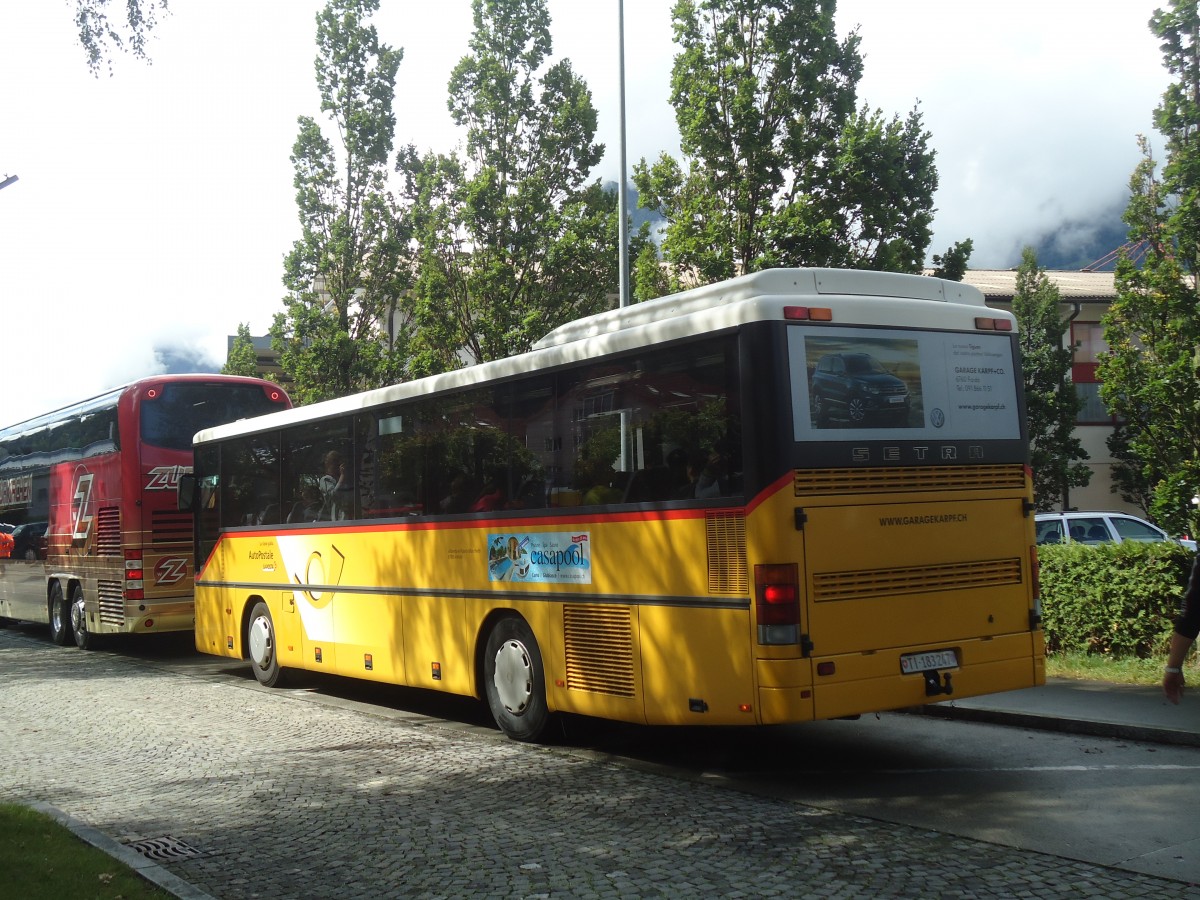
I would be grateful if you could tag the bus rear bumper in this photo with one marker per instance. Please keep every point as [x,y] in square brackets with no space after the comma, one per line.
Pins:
[858,683]
[151,618]
[865,684]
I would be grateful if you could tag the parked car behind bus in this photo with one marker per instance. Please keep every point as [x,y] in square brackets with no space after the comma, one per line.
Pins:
[1099,528]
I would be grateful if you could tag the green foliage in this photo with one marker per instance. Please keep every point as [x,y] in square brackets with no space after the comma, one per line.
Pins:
[1051,404]
[1117,600]
[513,240]
[1128,670]
[242,358]
[952,265]
[1151,375]
[780,166]
[347,274]
[101,34]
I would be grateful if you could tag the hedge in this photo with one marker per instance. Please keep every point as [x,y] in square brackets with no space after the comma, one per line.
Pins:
[1113,599]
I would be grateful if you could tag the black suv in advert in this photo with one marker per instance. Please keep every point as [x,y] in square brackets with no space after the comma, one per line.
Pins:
[855,387]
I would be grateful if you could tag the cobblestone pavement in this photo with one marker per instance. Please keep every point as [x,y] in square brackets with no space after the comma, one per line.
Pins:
[288,798]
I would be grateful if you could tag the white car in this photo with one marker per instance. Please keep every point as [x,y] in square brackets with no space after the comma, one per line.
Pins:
[1099,528]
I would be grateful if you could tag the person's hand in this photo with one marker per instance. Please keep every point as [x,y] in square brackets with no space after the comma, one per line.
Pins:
[1173,686]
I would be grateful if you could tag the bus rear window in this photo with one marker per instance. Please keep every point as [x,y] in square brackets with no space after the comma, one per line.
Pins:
[180,410]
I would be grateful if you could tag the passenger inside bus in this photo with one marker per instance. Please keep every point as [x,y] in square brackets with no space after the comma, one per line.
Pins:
[336,499]
[308,507]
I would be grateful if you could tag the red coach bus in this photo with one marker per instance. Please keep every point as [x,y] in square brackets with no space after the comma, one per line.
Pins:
[99,546]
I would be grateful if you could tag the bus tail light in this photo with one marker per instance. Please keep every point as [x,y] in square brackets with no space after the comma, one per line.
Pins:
[984,323]
[135,583]
[777,601]
[808,313]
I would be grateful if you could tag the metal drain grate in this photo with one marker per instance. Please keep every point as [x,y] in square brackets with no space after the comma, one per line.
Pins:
[166,848]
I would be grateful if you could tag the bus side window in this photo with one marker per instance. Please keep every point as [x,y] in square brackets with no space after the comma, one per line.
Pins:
[390,463]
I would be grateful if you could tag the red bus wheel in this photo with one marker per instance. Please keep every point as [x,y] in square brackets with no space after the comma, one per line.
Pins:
[84,639]
[60,616]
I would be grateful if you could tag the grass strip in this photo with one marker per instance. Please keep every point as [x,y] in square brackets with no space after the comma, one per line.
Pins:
[43,860]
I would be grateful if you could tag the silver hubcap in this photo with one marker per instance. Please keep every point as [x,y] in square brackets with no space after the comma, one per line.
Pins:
[262,642]
[514,676]
[78,619]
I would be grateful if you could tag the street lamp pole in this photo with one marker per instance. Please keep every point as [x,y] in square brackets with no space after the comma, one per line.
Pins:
[622,193]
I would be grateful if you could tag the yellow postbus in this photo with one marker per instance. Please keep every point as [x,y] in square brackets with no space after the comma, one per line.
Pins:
[800,494]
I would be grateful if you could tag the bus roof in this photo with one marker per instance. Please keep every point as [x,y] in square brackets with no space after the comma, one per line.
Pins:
[862,297]
[786,285]
[110,398]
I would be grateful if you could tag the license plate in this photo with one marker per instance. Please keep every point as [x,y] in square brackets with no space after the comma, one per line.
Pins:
[911,663]
[895,399]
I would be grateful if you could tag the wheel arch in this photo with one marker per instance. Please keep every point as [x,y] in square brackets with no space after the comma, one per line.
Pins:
[481,638]
[64,582]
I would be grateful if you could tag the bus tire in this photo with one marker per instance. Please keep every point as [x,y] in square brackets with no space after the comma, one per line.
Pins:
[262,647]
[514,680]
[60,616]
[84,639]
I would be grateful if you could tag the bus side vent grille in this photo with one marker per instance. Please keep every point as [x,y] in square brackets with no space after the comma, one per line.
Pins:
[727,568]
[916,580]
[108,531]
[599,649]
[112,602]
[810,482]
[169,527]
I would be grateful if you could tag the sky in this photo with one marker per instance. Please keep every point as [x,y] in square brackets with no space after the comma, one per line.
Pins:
[154,206]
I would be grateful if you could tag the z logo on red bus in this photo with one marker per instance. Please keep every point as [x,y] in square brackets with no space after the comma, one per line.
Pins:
[83,496]
[170,570]
[166,478]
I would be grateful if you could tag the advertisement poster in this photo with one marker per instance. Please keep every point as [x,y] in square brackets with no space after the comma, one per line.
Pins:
[850,384]
[541,558]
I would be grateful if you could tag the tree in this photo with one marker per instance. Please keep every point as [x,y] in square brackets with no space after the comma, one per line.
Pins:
[1051,404]
[101,34]
[1151,374]
[780,167]
[512,239]
[242,359]
[952,264]
[348,273]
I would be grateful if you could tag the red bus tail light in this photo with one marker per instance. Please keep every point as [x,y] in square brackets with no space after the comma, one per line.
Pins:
[134,576]
[777,602]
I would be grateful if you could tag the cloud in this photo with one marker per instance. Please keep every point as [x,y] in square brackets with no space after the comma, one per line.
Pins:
[154,207]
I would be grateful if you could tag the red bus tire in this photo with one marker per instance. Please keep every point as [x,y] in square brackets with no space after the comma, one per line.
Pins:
[84,639]
[60,617]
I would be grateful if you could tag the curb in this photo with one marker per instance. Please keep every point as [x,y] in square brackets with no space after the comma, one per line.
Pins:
[1123,731]
[151,871]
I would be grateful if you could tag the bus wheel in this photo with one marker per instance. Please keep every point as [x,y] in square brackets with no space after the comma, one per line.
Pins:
[260,640]
[84,639]
[60,616]
[512,673]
